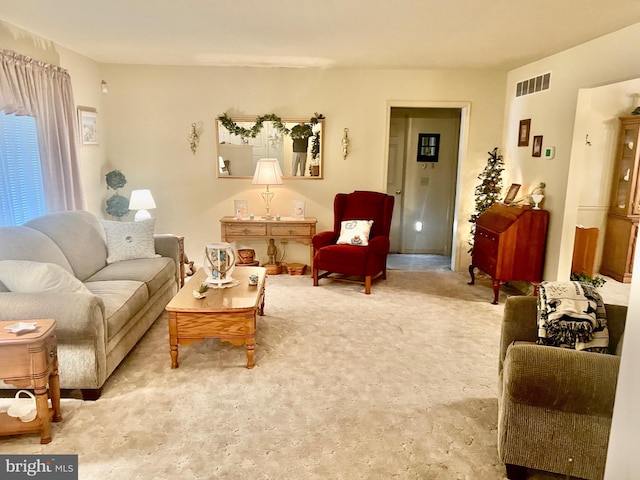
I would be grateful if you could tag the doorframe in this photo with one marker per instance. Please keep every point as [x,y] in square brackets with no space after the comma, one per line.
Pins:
[465,112]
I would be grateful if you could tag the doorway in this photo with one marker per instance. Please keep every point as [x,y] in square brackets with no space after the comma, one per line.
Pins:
[422,180]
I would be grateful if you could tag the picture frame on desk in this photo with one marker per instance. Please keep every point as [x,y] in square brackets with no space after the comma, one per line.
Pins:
[298,209]
[511,193]
[241,209]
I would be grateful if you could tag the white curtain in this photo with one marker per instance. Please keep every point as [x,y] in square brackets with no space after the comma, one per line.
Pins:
[43,91]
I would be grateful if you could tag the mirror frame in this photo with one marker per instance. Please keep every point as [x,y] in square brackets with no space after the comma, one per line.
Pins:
[285,121]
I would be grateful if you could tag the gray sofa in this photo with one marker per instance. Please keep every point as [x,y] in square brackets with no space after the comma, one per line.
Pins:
[554,404]
[96,329]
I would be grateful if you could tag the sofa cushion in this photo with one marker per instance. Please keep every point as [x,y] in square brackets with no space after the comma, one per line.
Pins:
[122,300]
[154,272]
[80,237]
[129,240]
[24,276]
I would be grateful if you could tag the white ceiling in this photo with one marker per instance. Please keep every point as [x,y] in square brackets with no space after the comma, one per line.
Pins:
[438,34]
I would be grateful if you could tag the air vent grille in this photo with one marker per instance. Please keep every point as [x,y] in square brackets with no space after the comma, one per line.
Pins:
[533,85]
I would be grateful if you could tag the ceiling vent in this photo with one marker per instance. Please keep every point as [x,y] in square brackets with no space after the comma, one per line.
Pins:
[533,85]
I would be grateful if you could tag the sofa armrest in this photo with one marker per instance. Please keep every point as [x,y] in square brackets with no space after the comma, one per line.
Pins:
[77,315]
[168,245]
[560,378]
[519,323]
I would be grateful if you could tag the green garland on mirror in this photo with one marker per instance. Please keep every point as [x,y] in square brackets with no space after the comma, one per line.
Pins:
[252,132]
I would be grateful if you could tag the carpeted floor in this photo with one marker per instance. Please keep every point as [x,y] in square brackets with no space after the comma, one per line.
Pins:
[397,384]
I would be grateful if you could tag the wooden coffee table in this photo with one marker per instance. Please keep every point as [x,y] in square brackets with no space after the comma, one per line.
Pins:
[228,314]
[30,360]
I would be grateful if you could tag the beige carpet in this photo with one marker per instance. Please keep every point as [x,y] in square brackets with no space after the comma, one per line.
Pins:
[398,384]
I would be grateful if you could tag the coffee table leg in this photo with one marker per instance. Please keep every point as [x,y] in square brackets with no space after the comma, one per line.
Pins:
[174,354]
[173,339]
[250,343]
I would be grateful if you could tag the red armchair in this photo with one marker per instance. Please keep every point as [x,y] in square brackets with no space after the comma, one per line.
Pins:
[365,263]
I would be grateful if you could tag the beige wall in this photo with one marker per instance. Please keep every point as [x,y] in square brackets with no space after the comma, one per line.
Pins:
[149,111]
[606,60]
[145,118]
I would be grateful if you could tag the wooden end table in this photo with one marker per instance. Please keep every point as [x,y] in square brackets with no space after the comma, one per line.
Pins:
[30,360]
[228,314]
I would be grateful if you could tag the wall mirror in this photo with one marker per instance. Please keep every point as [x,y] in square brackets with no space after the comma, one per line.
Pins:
[299,152]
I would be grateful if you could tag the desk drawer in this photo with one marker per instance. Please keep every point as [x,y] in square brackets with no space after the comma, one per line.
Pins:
[488,234]
[291,230]
[252,230]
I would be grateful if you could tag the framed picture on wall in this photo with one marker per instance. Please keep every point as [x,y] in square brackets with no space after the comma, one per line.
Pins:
[240,209]
[537,146]
[88,125]
[428,147]
[297,209]
[523,132]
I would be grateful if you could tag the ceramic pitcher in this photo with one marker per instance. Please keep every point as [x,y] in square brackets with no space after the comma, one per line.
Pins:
[219,261]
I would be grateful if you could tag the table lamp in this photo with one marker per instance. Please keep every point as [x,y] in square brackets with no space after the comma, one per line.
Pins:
[142,201]
[268,172]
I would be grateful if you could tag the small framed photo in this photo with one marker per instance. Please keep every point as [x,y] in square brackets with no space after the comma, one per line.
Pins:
[511,194]
[297,209]
[240,209]
[523,132]
[88,125]
[537,146]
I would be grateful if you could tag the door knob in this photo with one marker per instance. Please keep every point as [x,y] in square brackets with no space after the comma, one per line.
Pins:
[398,192]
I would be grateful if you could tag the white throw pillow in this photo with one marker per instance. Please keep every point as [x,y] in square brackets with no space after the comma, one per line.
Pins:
[129,240]
[355,232]
[24,276]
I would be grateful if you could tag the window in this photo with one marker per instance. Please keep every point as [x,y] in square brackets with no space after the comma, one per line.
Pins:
[21,188]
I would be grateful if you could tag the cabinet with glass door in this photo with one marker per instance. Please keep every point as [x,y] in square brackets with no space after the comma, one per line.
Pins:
[624,206]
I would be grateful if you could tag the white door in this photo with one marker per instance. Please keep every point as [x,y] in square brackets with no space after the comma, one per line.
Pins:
[425,204]
[395,178]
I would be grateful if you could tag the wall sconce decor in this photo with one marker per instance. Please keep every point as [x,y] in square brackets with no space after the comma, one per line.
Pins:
[193,139]
[345,144]
[104,88]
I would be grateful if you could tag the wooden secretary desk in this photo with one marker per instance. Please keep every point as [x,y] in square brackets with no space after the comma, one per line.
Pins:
[509,244]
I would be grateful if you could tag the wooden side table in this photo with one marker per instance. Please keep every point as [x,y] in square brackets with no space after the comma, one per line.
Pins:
[30,360]
[301,230]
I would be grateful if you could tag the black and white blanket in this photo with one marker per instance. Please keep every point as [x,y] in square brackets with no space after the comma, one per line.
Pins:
[572,315]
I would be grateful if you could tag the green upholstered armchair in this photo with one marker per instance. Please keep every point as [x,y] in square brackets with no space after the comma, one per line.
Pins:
[554,404]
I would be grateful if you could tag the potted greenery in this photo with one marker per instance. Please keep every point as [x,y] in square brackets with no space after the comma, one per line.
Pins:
[117,205]
[596,281]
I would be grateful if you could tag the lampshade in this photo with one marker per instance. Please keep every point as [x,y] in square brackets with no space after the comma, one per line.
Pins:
[268,172]
[141,200]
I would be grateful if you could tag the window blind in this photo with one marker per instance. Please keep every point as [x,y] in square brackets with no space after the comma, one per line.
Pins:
[21,187]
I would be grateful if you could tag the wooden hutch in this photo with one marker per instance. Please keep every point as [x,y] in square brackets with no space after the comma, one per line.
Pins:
[624,206]
[509,244]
